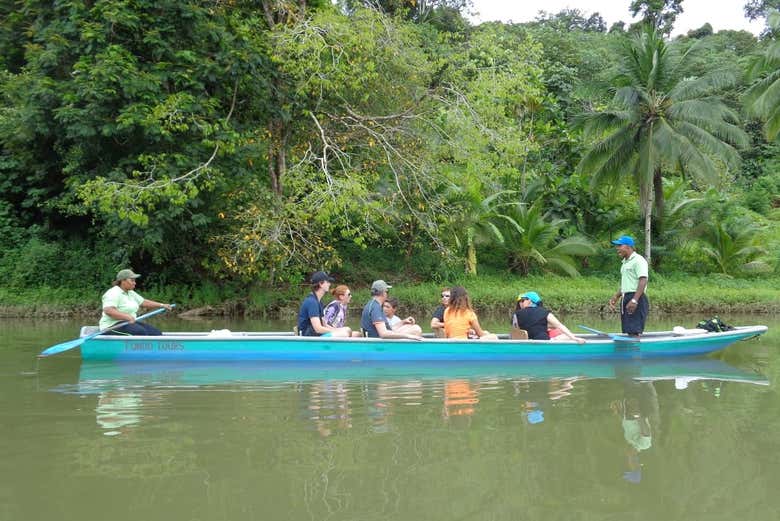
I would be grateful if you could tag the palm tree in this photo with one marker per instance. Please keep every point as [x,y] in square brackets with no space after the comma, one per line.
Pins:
[681,209]
[735,251]
[540,241]
[762,99]
[660,121]
[476,221]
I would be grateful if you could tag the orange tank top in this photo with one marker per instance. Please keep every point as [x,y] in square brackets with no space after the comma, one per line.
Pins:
[457,323]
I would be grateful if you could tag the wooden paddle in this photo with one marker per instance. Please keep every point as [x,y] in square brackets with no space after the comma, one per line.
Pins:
[615,337]
[59,348]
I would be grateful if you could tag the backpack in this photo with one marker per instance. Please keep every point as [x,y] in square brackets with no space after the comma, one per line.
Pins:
[714,325]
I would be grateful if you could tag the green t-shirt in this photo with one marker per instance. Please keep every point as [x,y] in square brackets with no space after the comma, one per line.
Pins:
[125,301]
[632,269]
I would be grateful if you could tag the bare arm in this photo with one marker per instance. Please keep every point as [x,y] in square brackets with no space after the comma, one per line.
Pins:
[614,300]
[477,328]
[381,328]
[640,290]
[151,304]
[553,322]
[319,327]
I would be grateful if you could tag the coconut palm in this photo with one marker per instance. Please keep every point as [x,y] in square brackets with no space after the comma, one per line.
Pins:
[762,98]
[660,122]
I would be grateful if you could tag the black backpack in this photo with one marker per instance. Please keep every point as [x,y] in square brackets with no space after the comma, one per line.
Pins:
[714,325]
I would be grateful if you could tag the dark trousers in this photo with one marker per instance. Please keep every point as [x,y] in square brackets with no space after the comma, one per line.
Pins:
[634,323]
[136,329]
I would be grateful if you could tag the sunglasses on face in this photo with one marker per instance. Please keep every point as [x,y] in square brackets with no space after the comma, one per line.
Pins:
[445,295]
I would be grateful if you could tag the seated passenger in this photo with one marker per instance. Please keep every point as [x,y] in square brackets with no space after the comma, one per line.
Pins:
[460,321]
[373,320]
[406,325]
[311,315]
[335,313]
[437,320]
[539,322]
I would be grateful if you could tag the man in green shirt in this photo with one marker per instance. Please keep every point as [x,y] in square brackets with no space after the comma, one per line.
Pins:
[634,305]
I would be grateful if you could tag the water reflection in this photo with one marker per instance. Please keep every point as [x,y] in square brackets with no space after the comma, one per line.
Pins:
[331,393]
[638,411]
[116,410]
[329,406]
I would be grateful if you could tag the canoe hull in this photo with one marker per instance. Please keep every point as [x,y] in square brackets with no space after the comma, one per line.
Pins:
[270,347]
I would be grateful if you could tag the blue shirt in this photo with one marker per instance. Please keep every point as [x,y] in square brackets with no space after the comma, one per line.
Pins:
[372,312]
[311,307]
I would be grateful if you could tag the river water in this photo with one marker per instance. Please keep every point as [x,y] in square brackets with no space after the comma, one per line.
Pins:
[694,439]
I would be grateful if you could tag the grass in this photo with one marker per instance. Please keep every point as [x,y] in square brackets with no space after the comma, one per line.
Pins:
[489,294]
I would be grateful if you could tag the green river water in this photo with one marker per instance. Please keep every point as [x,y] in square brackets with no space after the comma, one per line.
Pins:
[679,440]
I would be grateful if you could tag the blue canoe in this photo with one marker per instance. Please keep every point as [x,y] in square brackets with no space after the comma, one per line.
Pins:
[234,346]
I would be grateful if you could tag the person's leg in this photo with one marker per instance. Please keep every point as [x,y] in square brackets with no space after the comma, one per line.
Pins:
[642,310]
[633,323]
[138,329]
[342,332]
[408,329]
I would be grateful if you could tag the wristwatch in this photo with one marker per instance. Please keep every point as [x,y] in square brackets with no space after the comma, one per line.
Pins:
[634,301]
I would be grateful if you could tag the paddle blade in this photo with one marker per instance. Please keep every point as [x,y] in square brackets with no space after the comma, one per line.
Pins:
[59,348]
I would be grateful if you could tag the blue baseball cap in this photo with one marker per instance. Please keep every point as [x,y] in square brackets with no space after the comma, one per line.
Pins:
[626,240]
[530,295]
[321,276]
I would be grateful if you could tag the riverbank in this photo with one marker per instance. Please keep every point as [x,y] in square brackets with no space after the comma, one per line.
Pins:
[690,294]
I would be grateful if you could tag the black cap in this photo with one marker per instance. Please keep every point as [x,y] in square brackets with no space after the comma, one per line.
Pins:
[321,276]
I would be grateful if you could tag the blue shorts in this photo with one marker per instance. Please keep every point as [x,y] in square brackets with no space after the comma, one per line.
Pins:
[634,323]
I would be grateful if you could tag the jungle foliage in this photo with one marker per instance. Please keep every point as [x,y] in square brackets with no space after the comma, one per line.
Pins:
[245,144]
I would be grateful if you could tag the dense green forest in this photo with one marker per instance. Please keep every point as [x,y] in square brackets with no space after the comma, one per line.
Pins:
[229,145]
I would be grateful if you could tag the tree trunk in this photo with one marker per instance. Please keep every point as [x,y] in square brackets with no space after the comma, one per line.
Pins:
[471,253]
[648,228]
[658,200]
[277,154]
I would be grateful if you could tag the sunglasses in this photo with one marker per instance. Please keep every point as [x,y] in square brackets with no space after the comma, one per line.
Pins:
[445,295]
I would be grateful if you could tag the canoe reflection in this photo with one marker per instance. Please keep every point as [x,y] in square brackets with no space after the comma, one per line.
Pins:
[101,376]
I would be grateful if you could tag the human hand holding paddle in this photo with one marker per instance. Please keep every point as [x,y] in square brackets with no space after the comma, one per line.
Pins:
[70,344]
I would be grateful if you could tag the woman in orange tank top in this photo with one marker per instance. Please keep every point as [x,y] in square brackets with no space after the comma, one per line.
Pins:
[459,318]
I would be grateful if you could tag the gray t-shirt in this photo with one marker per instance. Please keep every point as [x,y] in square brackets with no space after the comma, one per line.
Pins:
[372,312]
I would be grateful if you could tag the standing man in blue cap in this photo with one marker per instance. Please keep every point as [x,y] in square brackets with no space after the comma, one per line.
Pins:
[634,305]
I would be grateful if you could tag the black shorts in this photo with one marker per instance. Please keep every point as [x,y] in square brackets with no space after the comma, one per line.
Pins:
[634,323]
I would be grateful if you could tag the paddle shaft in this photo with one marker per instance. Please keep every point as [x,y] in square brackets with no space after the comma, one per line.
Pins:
[619,338]
[65,346]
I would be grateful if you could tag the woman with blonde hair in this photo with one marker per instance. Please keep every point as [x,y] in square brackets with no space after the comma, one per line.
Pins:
[459,318]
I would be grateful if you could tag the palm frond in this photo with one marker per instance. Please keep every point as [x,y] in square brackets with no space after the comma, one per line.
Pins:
[693,88]
[704,141]
[772,126]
